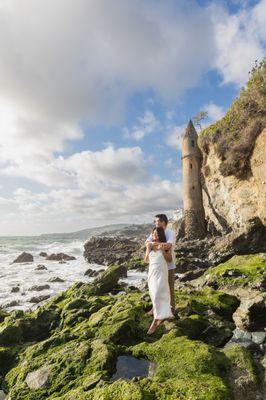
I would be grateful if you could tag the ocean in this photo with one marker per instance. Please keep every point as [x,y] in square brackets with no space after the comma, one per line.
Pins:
[25,275]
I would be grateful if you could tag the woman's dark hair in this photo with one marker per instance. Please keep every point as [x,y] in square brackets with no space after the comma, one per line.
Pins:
[161,234]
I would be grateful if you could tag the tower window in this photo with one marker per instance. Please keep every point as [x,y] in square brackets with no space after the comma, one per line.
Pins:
[193,187]
[190,166]
[192,143]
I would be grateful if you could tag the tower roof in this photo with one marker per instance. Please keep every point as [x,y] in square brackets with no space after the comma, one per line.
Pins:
[190,130]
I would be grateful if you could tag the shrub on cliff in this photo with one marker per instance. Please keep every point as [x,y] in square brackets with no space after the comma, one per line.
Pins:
[235,134]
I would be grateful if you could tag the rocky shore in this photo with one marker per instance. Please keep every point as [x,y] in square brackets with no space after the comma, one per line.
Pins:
[71,346]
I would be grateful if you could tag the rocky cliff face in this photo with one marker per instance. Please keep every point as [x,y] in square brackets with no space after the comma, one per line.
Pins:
[234,165]
[231,202]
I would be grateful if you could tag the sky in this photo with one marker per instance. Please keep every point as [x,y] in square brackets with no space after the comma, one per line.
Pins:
[95,96]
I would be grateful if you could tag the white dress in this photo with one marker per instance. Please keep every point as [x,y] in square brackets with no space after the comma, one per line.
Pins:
[158,285]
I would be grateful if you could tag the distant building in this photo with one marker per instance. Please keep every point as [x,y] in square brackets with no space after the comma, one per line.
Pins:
[194,217]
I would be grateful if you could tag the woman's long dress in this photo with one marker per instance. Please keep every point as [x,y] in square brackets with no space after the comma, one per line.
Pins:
[158,285]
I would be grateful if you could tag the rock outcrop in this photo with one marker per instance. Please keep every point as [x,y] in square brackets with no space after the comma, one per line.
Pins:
[24,257]
[110,250]
[234,165]
[60,257]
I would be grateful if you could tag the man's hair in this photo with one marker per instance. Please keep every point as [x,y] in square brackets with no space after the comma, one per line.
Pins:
[162,218]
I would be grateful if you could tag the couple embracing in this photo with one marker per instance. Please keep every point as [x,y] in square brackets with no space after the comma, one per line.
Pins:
[161,274]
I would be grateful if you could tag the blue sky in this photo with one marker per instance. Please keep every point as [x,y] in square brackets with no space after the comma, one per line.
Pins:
[95,98]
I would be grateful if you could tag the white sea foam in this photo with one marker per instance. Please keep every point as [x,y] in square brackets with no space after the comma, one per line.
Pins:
[25,275]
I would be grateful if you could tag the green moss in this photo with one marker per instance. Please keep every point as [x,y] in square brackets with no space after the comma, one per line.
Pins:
[7,359]
[10,334]
[247,268]
[186,368]
[241,358]
[3,315]
[200,301]
[136,263]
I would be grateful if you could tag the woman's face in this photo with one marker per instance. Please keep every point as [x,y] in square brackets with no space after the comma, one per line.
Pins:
[155,236]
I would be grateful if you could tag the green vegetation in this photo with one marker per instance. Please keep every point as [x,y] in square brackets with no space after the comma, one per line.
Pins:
[77,336]
[238,271]
[235,134]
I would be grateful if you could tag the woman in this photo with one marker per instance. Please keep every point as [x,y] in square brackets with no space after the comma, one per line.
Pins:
[158,279]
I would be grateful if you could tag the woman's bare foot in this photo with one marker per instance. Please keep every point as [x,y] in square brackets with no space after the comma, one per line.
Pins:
[153,327]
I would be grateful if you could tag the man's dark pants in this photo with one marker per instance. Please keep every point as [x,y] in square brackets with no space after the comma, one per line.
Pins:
[171,280]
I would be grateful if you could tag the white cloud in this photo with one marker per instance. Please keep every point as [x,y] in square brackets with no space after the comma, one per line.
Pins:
[214,111]
[174,139]
[240,40]
[146,125]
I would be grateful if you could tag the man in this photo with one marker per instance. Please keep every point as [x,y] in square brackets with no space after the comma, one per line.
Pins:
[161,220]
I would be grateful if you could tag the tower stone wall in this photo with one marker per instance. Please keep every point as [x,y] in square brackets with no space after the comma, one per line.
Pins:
[194,216]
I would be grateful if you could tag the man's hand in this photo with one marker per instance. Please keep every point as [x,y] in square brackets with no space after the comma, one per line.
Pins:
[162,245]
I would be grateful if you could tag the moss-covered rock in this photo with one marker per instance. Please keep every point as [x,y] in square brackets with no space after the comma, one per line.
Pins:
[10,334]
[77,336]
[242,373]
[238,271]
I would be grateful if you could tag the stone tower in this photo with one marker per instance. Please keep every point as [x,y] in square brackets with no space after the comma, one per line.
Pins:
[194,217]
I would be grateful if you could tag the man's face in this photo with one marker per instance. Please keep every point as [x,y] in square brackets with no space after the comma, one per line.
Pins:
[159,224]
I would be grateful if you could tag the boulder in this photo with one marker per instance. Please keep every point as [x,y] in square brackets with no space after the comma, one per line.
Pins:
[38,379]
[40,267]
[2,395]
[24,257]
[43,254]
[60,257]
[92,272]
[39,288]
[110,250]
[56,279]
[38,299]
[250,315]
[15,289]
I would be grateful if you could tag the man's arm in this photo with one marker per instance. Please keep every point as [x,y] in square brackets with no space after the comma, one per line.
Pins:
[149,238]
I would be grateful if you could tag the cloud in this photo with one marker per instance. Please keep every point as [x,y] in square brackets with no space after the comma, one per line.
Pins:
[214,111]
[240,40]
[147,125]
[69,209]
[175,137]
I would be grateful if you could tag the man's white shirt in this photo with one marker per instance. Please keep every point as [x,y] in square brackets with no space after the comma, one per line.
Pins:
[170,238]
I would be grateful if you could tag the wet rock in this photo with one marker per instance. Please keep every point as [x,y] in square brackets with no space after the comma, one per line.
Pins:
[60,257]
[3,315]
[24,257]
[40,267]
[56,279]
[259,337]
[109,250]
[91,272]
[15,289]
[190,275]
[12,303]
[39,288]
[250,315]
[38,379]
[91,381]
[38,299]
[2,395]
[43,254]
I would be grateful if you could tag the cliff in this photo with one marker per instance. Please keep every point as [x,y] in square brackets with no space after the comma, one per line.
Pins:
[234,165]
